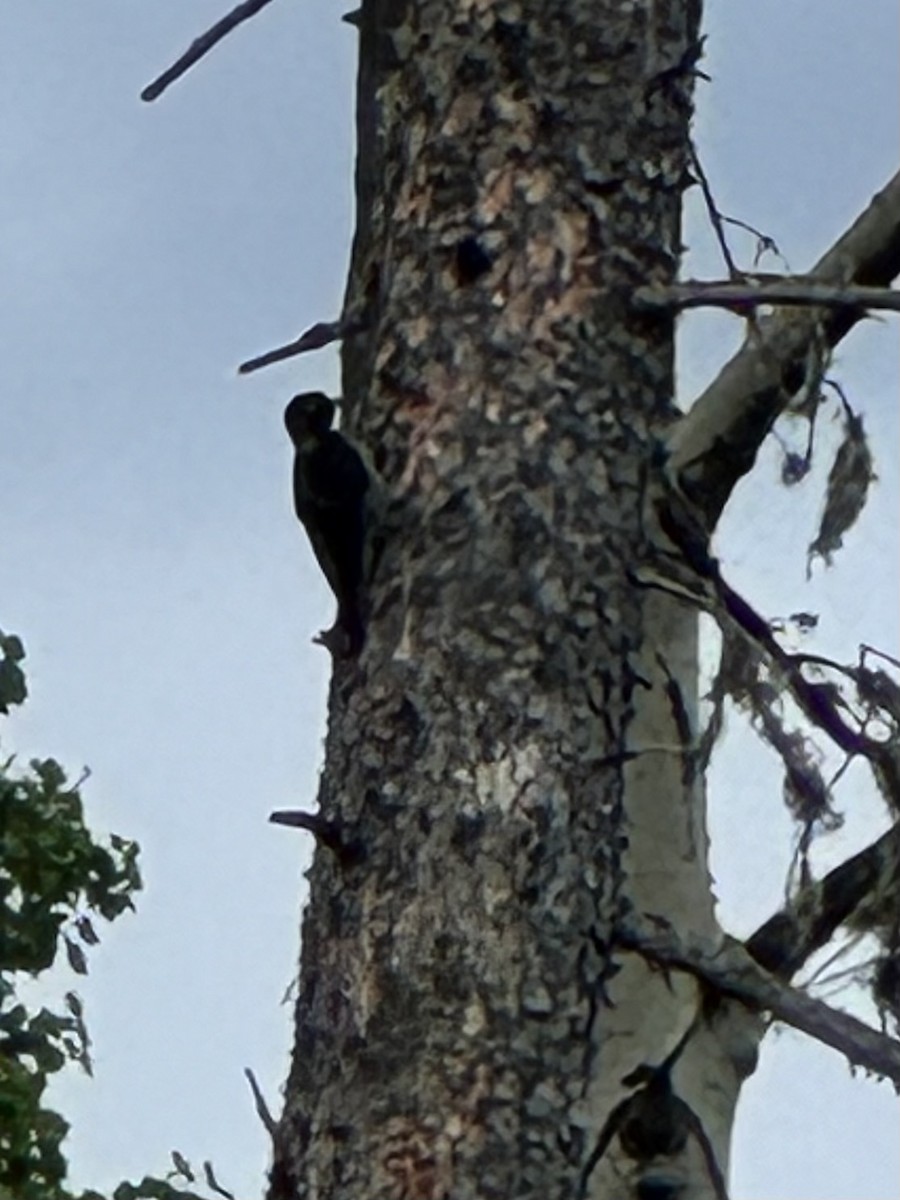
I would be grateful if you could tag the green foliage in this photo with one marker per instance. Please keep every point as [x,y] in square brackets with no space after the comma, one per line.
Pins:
[54,880]
[12,677]
[53,870]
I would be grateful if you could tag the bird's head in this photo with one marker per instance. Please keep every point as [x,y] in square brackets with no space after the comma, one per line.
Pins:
[309,414]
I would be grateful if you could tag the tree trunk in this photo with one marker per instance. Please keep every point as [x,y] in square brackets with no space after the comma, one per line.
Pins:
[512,764]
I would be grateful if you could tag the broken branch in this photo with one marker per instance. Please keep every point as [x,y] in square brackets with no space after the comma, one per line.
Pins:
[202,46]
[318,335]
[327,833]
[259,1100]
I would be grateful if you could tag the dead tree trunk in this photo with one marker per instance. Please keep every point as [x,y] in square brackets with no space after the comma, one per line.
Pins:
[514,772]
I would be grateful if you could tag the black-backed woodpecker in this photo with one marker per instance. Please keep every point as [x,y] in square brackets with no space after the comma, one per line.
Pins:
[330,486]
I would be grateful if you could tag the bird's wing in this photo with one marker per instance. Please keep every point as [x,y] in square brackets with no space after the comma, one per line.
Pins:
[335,473]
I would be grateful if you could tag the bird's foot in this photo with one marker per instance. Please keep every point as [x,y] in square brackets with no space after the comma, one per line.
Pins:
[341,642]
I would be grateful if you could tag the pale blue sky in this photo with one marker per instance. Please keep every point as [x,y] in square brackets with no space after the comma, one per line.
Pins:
[154,569]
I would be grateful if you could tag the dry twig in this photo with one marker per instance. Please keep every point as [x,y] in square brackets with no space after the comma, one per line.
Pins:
[202,46]
[262,1109]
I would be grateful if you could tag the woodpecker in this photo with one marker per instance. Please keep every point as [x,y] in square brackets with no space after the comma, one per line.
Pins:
[330,486]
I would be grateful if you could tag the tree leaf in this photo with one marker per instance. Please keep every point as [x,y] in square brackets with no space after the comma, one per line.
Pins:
[76,956]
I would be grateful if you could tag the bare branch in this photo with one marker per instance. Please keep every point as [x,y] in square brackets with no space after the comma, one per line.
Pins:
[787,940]
[751,291]
[259,1100]
[715,216]
[323,333]
[819,703]
[864,650]
[327,833]
[732,971]
[716,443]
[202,46]
[313,823]
[213,1184]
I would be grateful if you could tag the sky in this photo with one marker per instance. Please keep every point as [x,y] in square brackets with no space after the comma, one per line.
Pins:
[153,567]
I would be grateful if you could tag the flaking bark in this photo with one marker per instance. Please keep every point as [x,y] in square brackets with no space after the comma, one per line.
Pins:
[516,747]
